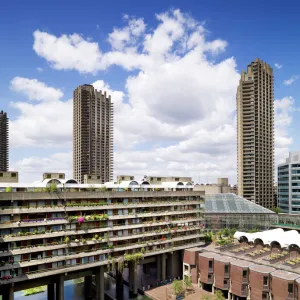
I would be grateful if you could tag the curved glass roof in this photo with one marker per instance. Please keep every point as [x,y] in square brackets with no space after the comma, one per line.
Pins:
[231,203]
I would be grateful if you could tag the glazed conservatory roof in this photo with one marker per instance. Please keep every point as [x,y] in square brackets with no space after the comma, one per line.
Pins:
[231,203]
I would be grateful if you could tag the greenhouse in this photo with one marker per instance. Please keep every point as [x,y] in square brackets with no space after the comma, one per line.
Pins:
[232,211]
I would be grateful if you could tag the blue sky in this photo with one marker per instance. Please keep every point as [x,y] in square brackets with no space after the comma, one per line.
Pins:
[251,29]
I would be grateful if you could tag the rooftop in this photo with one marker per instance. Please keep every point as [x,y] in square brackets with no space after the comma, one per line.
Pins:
[231,203]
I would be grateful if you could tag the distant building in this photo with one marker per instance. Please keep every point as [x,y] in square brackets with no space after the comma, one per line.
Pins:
[121,178]
[92,134]
[92,179]
[54,176]
[255,133]
[217,188]
[289,184]
[4,143]
[9,177]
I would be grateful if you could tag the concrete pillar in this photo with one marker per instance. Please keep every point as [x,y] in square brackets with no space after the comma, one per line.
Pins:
[88,287]
[163,267]
[158,267]
[8,292]
[133,284]
[173,265]
[51,291]
[119,285]
[99,283]
[60,293]
[213,289]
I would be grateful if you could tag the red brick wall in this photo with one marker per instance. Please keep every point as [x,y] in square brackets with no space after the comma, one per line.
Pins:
[219,268]
[256,283]
[280,288]
[203,268]
[236,276]
[189,257]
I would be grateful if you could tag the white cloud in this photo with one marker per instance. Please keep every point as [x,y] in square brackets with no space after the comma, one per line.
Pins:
[32,168]
[283,119]
[176,113]
[127,36]
[35,90]
[40,70]
[278,66]
[291,80]
[47,123]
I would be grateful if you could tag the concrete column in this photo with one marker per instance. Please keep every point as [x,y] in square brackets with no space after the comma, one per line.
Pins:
[51,291]
[60,293]
[213,289]
[133,287]
[119,285]
[88,287]
[9,293]
[163,267]
[100,283]
[158,267]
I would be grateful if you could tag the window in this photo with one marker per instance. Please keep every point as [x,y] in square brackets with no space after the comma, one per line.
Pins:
[245,273]
[266,280]
[176,179]
[98,177]
[123,178]
[290,287]
[158,179]
[13,174]
[225,281]
[226,269]
[61,176]
[1,174]
[186,267]
[210,265]
[131,178]
[48,176]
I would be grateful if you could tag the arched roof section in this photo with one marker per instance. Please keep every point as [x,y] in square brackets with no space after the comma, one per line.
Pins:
[188,183]
[144,182]
[173,184]
[69,181]
[127,184]
[50,181]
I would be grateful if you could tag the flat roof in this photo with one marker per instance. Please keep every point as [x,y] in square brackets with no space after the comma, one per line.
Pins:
[262,268]
[209,254]
[285,275]
[242,263]
[194,249]
[225,259]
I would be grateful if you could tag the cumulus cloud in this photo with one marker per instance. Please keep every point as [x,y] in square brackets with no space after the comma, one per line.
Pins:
[40,70]
[278,66]
[291,80]
[283,119]
[32,168]
[45,121]
[176,112]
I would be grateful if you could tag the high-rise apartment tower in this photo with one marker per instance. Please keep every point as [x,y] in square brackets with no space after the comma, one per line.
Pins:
[255,133]
[92,134]
[3,141]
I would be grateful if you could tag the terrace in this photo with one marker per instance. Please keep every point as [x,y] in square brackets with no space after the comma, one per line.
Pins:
[276,248]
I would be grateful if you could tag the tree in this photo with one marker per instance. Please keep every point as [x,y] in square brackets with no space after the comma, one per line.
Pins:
[178,287]
[208,237]
[219,295]
[205,297]
[8,189]
[188,282]
[276,210]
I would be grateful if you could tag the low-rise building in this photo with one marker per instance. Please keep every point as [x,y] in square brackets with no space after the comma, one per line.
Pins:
[9,177]
[257,266]
[220,187]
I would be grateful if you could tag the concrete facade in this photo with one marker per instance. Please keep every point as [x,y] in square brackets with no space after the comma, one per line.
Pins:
[289,184]
[255,133]
[54,176]
[92,134]
[4,142]
[9,177]
[44,234]
[220,187]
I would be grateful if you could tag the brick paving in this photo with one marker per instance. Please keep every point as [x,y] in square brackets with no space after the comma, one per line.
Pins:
[164,293]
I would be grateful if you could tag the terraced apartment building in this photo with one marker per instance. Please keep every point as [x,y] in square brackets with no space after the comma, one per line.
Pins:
[58,230]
